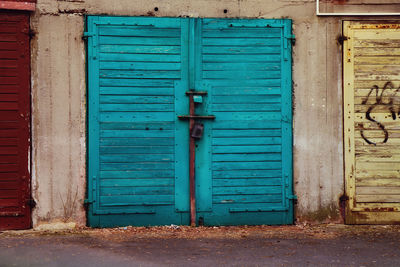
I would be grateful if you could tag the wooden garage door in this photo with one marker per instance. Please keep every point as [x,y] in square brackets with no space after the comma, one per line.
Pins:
[372,123]
[14,121]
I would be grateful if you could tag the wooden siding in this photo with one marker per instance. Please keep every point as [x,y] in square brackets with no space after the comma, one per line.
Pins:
[14,121]
[372,129]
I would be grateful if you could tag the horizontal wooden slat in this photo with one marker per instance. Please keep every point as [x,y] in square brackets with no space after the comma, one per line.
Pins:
[260,181]
[8,150]
[8,37]
[8,176]
[136,166]
[149,91]
[136,82]
[377,165]
[377,43]
[249,99]
[246,124]
[119,65]
[136,174]
[241,66]
[375,173]
[133,158]
[246,173]
[136,141]
[141,190]
[246,149]
[8,89]
[226,75]
[246,133]
[245,41]
[118,183]
[246,190]
[218,166]
[373,34]
[381,60]
[250,115]
[234,50]
[8,63]
[8,141]
[152,149]
[225,32]
[247,157]
[226,91]
[139,49]
[129,31]
[9,80]
[134,74]
[232,141]
[9,159]
[8,193]
[136,116]
[8,97]
[136,107]
[110,40]
[8,55]
[136,133]
[247,199]
[137,126]
[378,198]
[116,99]
[10,202]
[8,46]
[242,58]
[375,190]
[137,200]
[9,133]
[374,181]
[245,107]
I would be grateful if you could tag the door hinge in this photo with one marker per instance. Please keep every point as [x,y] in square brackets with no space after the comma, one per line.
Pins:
[31,203]
[292,38]
[293,198]
[87,202]
[341,39]
[31,34]
[86,35]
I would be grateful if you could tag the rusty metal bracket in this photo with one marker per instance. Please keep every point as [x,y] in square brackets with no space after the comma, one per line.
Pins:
[341,39]
[188,117]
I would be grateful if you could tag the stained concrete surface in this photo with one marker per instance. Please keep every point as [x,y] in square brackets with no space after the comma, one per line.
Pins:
[176,246]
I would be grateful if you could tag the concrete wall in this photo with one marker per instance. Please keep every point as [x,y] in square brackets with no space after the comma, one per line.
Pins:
[58,70]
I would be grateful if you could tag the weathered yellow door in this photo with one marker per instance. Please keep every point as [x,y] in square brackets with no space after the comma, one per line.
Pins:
[371,59]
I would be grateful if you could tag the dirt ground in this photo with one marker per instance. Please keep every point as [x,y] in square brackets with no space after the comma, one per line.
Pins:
[321,245]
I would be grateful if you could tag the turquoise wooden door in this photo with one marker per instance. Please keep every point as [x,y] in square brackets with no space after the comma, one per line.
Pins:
[139,69]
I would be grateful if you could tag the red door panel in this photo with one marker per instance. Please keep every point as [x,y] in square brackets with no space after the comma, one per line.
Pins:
[15,213]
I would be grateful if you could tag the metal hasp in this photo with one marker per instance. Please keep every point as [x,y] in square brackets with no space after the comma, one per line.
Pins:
[192,149]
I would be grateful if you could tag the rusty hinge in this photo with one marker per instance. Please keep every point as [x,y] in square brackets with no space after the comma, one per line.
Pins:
[86,35]
[341,39]
[31,34]
[31,203]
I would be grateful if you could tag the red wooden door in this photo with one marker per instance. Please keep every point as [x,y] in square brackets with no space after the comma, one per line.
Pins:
[15,212]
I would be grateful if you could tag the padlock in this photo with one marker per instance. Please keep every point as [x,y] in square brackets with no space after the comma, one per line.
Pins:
[197,130]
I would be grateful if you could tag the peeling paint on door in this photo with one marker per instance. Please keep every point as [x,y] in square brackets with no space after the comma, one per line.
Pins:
[371,57]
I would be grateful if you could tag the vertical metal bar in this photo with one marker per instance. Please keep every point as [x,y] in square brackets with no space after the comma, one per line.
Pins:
[192,157]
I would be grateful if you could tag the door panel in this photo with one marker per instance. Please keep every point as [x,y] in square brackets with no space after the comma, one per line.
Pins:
[14,121]
[371,122]
[243,67]
[139,71]
[136,66]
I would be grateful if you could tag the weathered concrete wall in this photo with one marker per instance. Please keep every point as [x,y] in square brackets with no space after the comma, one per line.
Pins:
[58,122]
[58,67]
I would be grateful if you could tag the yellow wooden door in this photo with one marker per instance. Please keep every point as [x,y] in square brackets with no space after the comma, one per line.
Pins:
[371,60]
